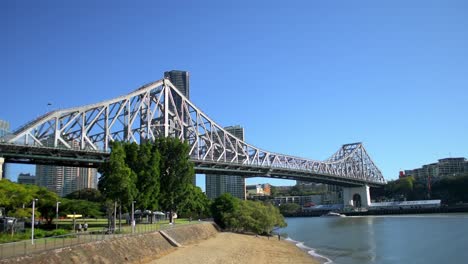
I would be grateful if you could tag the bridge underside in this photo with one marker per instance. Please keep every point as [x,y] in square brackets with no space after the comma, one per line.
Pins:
[204,167]
[24,154]
[77,158]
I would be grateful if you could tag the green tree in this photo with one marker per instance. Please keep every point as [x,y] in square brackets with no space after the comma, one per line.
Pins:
[176,172]
[260,218]
[452,189]
[118,181]
[144,160]
[88,194]
[197,203]
[289,208]
[245,216]
[83,207]
[14,196]
[224,210]
[46,203]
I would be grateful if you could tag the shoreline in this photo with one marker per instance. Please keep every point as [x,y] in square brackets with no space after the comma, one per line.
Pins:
[226,247]
[311,251]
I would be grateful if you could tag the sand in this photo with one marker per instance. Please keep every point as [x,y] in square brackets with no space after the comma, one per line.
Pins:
[235,248]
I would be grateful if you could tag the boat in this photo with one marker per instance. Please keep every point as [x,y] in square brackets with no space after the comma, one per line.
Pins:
[333,214]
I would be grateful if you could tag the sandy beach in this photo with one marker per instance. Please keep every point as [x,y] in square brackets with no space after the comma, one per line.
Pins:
[236,248]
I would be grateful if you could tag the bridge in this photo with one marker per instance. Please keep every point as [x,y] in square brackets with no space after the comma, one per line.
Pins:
[80,136]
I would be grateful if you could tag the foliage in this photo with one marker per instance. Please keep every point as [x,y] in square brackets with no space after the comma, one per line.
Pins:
[196,203]
[144,160]
[245,216]
[298,190]
[83,207]
[46,203]
[399,189]
[6,238]
[155,175]
[39,233]
[224,210]
[117,182]
[57,232]
[452,189]
[289,208]
[176,173]
[17,200]
[88,194]
[13,196]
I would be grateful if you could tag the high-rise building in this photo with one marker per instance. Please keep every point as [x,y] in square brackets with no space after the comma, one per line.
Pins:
[181,80]
[4,130]
[26,178]
[64,180]
[443,168]
[233,184]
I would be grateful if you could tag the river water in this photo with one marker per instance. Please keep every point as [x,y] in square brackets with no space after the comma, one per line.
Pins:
[425,239]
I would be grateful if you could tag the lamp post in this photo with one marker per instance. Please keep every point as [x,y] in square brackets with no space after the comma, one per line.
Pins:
[57,217]
[133,217]
[32,223]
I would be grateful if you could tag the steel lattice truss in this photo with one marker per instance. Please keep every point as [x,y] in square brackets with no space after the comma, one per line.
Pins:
[159,109]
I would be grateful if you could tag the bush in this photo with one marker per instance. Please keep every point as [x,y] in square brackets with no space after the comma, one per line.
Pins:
[6,238]
[58,232]
[246,216]
[39,233]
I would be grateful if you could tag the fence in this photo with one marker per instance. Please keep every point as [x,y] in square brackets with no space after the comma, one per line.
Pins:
[25,247]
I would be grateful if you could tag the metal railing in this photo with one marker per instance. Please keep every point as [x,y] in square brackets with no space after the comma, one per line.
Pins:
[25,247]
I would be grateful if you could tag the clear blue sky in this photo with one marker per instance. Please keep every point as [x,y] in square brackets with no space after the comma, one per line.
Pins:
[302,77]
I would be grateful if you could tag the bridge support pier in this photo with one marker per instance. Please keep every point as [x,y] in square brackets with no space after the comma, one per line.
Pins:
[356,197]
[2,161]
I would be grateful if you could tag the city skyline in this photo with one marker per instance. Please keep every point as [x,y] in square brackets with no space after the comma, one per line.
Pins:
[386,75]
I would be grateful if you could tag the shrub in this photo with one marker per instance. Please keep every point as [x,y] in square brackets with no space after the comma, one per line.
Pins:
[245,216]
[58,232]
[39,233]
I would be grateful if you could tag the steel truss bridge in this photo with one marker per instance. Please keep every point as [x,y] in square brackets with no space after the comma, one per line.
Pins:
[80,136]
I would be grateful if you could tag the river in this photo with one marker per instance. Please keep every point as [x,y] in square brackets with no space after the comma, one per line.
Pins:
[425,239]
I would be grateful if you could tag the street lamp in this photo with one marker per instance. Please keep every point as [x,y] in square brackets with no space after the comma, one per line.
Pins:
[32,223]
[133,217]
[56,212]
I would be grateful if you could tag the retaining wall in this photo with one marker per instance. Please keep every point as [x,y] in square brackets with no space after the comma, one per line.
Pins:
[131,249]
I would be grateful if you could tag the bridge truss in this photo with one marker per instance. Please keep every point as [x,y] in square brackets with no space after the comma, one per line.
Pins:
[159,109]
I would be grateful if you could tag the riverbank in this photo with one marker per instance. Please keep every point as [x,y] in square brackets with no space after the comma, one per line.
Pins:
[196,243]
[235,248]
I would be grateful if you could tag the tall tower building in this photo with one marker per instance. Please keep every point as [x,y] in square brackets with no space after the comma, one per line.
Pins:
[219,184]
[4,130]
[181,80]
[64,180]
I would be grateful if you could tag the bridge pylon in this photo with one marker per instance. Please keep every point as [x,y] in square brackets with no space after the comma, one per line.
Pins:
[357,197]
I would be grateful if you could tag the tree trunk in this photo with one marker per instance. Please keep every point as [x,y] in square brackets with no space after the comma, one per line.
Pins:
[115,217]
[120,217]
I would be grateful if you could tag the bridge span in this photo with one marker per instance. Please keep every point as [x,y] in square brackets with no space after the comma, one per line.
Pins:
[80,136]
